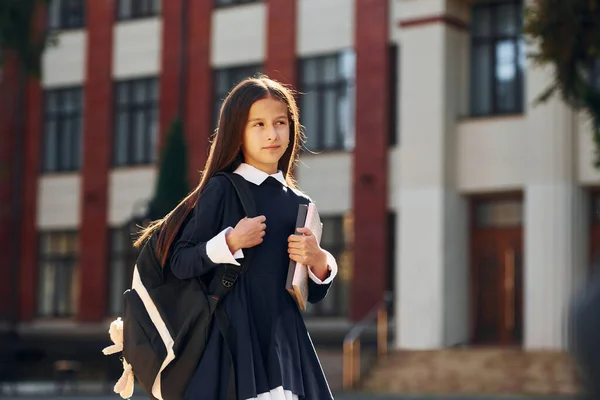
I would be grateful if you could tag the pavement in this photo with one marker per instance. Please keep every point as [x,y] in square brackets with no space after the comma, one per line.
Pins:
[95,391]
[343,396]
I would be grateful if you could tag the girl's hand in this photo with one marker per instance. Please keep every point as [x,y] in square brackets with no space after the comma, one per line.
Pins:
[249,232]
[305,250]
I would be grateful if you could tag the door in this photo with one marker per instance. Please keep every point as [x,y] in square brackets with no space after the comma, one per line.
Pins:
[497,271]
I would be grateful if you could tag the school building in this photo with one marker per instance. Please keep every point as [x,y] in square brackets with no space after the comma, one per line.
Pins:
[436,176]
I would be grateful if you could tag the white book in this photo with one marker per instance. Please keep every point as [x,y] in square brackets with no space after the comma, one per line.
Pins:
[297,278]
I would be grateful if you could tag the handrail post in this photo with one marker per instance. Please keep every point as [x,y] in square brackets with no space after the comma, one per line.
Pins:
[382,332]
[348,366]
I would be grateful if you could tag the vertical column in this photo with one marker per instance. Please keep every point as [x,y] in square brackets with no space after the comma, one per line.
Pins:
[198,115]
[28,276]
[9,131]
[554,213]
[281,61]
[370,174]
[432,232]
[171,66]
[97,150]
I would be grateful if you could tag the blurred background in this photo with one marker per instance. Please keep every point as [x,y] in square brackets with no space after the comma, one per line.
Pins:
[462,213]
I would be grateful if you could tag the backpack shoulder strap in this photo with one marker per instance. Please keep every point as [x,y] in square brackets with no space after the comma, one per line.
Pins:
[227,276]
[243,192]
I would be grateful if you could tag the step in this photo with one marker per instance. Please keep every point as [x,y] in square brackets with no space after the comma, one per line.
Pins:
[493,371]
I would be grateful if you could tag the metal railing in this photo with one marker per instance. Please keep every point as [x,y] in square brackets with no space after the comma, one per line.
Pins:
[353,363]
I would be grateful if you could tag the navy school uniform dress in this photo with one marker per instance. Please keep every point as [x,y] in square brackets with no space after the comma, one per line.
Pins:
[274,358]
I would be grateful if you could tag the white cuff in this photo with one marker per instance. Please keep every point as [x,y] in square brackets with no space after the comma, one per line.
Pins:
[331,266]
[218,251]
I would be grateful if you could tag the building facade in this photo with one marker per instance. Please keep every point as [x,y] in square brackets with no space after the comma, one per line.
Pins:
[436,176]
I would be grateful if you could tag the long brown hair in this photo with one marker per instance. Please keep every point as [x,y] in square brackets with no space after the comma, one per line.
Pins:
[226,152]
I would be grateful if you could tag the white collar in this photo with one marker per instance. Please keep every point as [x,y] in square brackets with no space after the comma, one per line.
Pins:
[256,176]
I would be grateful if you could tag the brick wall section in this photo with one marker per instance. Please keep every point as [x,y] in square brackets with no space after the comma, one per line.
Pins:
[198,107]
[29,243]
[9,87]
[28,272]
[97,150]
[170,71]
[370,176]
[281,61]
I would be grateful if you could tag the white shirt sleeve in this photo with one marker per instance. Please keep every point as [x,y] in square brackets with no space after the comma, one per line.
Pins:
[218,251]
[331,265]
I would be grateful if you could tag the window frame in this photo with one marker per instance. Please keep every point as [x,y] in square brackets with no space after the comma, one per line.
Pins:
[150,106]
[71,260]
[136,12]
[492,40]
[339,86]
[61,117]
[63,15]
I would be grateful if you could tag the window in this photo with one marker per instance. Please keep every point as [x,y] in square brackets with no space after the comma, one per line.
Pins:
[499,213]
[336,237]
[58,274]
[66,14]
[136,122]
[327,101]
[497,58]
[595,74]
[225,3]
[63,130]
[225,79]
[133,9]
[393,93]
[122,261]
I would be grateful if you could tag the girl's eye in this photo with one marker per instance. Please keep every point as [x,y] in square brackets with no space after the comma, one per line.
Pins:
[258,124]
[281,122]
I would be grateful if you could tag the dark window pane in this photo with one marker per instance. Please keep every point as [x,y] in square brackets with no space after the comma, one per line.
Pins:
[330,116]
[139,138]
[124,9]
[309,72]
[63,130]
[507,20]
[66,14]
[50,148]
[330,70]
[327,101]
[121,138]
[481,80]
[136,122]
[131,9]
[497,58]
[309,115]
[481,22]
[223,3]
[58,273]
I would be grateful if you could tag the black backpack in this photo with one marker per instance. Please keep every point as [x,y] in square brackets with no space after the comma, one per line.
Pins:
[166,321]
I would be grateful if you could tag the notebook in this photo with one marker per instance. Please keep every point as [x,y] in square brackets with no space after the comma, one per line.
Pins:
[297,277]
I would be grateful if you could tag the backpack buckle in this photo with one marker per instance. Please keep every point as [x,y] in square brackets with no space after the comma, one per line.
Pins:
[229,278]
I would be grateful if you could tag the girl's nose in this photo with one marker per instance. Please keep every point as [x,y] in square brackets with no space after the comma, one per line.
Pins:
[272,132]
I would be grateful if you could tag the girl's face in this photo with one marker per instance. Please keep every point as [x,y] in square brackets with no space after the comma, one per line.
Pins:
[266,135]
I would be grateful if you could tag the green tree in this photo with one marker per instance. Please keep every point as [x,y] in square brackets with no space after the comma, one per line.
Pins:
[567,35]
[172,185]
[17,33]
